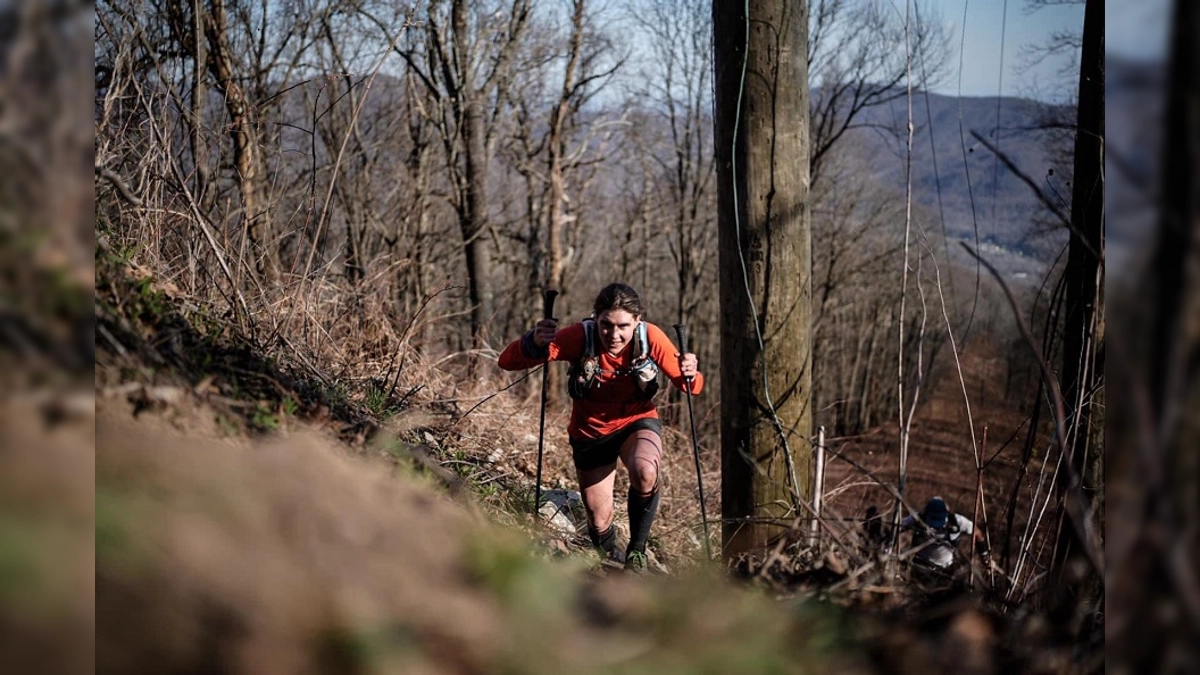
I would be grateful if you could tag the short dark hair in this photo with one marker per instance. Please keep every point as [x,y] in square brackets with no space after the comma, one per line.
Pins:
[618,296]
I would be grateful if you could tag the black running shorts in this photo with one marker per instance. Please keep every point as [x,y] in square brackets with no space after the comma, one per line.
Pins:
[593,453]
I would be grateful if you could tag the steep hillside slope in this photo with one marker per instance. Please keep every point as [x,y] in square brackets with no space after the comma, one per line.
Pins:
[296,555]
[238,533]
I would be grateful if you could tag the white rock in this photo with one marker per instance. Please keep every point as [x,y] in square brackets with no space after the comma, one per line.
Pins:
[556,510]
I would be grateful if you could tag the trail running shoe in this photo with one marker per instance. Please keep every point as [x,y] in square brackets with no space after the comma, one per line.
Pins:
[636,562]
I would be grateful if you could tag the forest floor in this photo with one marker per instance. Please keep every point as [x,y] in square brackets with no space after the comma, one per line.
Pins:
[248,520]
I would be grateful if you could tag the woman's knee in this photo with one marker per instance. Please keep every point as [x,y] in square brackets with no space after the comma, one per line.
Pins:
[641,457]
[643,474]
[600,517]
[598,504]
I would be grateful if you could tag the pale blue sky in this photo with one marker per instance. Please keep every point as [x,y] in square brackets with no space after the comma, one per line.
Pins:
[1007,31]
[986,23]
[1134,28]
[1137,28]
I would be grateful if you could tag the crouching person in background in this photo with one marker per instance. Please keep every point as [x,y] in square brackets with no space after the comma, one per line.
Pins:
[936,532]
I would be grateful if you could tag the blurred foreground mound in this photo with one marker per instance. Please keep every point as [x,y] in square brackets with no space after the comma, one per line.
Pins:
[292,556]
[46,545]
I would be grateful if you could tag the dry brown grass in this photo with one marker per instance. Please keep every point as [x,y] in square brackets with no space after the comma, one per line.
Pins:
[342,353]
[385,405]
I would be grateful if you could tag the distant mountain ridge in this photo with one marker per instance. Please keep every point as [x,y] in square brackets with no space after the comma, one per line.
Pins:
[978,192]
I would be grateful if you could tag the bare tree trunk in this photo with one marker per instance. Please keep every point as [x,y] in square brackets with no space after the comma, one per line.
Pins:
[556,147]
[199,99]
[764,225]
[468,76]
[255,217]
[679,36]
[473,217]
[1084,312]
[417,225]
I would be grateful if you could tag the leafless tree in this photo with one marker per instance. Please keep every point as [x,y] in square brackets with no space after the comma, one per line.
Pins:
[247,53]
[856,289]
[464,58]
[677,97]
[1060,43]
[560,142]
[1082,373]
[856,60]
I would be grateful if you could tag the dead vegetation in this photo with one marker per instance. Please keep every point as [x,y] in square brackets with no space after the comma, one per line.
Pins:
[294,551]
[301,469]
[263,520]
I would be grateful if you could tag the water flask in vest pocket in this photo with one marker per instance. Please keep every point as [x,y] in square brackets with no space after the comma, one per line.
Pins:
[647,377]
[580,377]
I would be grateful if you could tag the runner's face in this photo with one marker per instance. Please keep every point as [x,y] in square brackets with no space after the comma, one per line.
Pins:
[616,329]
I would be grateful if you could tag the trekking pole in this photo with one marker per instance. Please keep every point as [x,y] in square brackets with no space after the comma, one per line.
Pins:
[548,306]
[682,333]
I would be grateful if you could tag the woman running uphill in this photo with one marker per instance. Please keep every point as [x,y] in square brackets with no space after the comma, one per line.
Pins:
[612,416]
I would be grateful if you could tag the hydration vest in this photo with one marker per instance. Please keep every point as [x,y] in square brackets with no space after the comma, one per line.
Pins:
[947,534]
[581,375]
[938,546]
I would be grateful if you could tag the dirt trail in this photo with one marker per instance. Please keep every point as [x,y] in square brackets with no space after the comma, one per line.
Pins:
[942,457]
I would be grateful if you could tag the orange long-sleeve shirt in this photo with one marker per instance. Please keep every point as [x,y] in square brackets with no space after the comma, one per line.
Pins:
[613,401]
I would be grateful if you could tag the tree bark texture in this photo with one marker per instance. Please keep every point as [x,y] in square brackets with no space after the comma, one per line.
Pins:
[765,264]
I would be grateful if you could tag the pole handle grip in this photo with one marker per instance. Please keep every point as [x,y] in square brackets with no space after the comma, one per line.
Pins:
[548,297]
[681,332]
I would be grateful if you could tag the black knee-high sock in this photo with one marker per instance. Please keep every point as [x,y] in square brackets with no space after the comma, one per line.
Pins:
[606,541]
[642,509]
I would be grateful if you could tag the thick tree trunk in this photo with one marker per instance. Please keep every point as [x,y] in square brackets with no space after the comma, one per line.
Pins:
[765,264]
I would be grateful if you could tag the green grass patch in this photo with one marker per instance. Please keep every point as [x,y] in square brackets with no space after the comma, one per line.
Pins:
[20,564]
